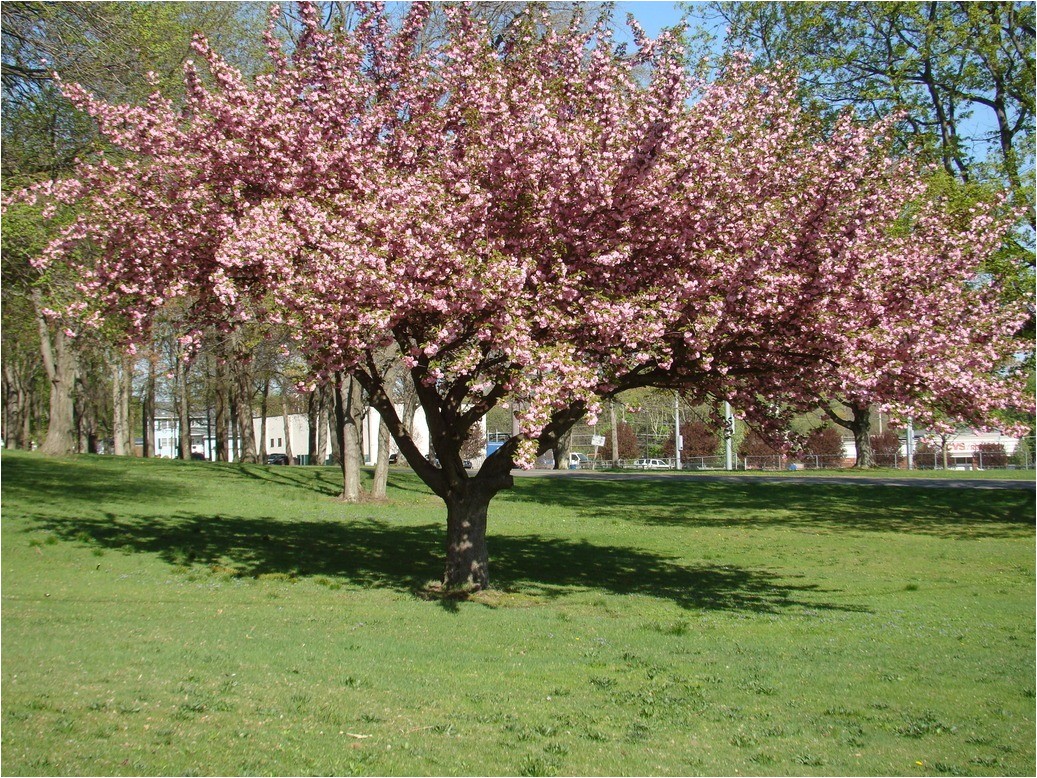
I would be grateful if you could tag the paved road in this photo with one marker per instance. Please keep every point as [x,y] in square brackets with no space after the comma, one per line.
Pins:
[853,480]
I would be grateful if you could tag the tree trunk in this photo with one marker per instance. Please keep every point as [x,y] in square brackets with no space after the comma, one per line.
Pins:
[85,411]
[17,407]
[262,420]
[243,403]
[348,414]
[860,426]
[379,488]
[287,427]
[467,556]
[148,412]
[122,420]
[183,408]
[60,363]
[313,422]
[221,420]
[562,449]
[331,405]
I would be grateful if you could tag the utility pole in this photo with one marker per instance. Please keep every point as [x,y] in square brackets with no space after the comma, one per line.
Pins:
[677,429]
[729,433]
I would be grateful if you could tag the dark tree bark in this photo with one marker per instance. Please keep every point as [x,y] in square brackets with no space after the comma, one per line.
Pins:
[860,425]
[148,412]
[313,403]
[183,409]
[467,555]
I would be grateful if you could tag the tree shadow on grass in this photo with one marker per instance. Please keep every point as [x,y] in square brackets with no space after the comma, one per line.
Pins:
[33,477]
[372,553]
[965,513]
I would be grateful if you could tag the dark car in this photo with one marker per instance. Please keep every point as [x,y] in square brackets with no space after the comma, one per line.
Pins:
[277,459]
[394,458]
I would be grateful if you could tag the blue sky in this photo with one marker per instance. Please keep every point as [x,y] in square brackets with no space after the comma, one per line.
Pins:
[652,15]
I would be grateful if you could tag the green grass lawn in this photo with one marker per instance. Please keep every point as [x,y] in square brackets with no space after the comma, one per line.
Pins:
[196,619]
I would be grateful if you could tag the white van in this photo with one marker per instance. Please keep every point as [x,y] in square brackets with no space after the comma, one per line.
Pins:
[577,460]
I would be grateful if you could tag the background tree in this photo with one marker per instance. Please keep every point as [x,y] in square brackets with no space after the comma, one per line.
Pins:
[958,75]
[111,48]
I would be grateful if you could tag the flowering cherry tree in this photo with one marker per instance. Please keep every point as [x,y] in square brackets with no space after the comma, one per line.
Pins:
[531,222]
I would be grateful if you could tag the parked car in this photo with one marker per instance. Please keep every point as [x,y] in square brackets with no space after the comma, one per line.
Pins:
[651,464]
[394,458]
[277,459]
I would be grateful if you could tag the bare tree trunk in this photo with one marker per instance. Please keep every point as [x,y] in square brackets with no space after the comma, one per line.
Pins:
[183,409]
[860,425]
[18,407]
[59,360]
[379,488]
[262,423]
[243,404]
[222,416]
[287,427]
[322,426]
[122,420]
[85,412]
[313,405]
[148,412]
[348,415]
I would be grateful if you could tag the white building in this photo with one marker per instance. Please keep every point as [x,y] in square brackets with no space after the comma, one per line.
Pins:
[963,449]
[299,433]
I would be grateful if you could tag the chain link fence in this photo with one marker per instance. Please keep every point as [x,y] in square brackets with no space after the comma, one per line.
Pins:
[1022,459]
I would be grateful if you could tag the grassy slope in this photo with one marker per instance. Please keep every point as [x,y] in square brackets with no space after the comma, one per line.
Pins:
[190,618]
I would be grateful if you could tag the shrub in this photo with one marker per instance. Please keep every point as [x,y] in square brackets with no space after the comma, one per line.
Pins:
[825,442]
[990,455]
[700,440]
[886,448]
[629,445]
[755,445]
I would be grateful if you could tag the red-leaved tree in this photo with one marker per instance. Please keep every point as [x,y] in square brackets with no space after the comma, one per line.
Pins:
[526,216]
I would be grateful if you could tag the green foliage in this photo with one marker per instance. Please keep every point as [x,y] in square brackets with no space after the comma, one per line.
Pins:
[697,627]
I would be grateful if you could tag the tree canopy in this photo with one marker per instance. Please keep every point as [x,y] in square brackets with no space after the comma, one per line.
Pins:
[528,218]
